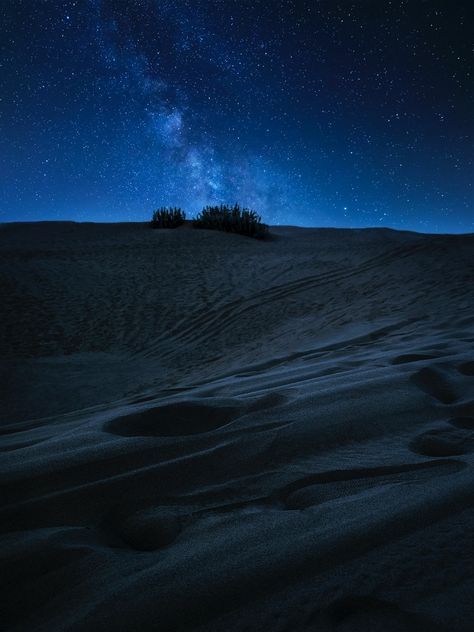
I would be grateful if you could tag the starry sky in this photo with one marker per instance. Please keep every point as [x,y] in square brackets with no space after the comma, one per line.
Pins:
[315,113]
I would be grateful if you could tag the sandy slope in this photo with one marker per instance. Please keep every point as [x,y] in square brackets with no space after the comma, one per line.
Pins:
[204,431]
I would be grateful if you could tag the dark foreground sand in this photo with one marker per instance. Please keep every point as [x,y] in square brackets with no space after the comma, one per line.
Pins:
[204,431]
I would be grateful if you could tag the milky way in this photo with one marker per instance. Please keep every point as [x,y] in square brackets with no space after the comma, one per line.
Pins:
[313,113]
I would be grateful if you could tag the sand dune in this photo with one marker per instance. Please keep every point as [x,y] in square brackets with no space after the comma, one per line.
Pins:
[203,431]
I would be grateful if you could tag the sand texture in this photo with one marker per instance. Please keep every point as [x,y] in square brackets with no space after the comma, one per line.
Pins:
[204,431]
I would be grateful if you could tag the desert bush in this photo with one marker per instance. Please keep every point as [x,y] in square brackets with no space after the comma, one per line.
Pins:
[232,219]
[168,217]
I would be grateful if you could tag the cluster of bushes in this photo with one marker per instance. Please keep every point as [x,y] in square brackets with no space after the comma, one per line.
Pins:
[231,219]
[171,217]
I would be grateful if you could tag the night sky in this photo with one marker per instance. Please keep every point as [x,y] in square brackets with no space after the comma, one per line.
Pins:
[316,113]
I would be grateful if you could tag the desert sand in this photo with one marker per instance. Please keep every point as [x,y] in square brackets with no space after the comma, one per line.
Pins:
[205,431]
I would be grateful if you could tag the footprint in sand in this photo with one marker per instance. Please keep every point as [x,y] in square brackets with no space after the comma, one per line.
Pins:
[434,382]
[457,436]
[152,529]
[454,439]
[467,368]
[463,422]
[192,417]
[148,529]
[173,420]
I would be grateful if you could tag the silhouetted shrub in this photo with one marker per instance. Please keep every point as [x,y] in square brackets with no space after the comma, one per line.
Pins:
[232,219]
[167,218]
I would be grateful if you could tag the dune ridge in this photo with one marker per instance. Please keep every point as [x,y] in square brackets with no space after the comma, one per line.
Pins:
[202,431]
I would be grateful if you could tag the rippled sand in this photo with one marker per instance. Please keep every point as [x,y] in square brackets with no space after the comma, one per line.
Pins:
[204,431]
